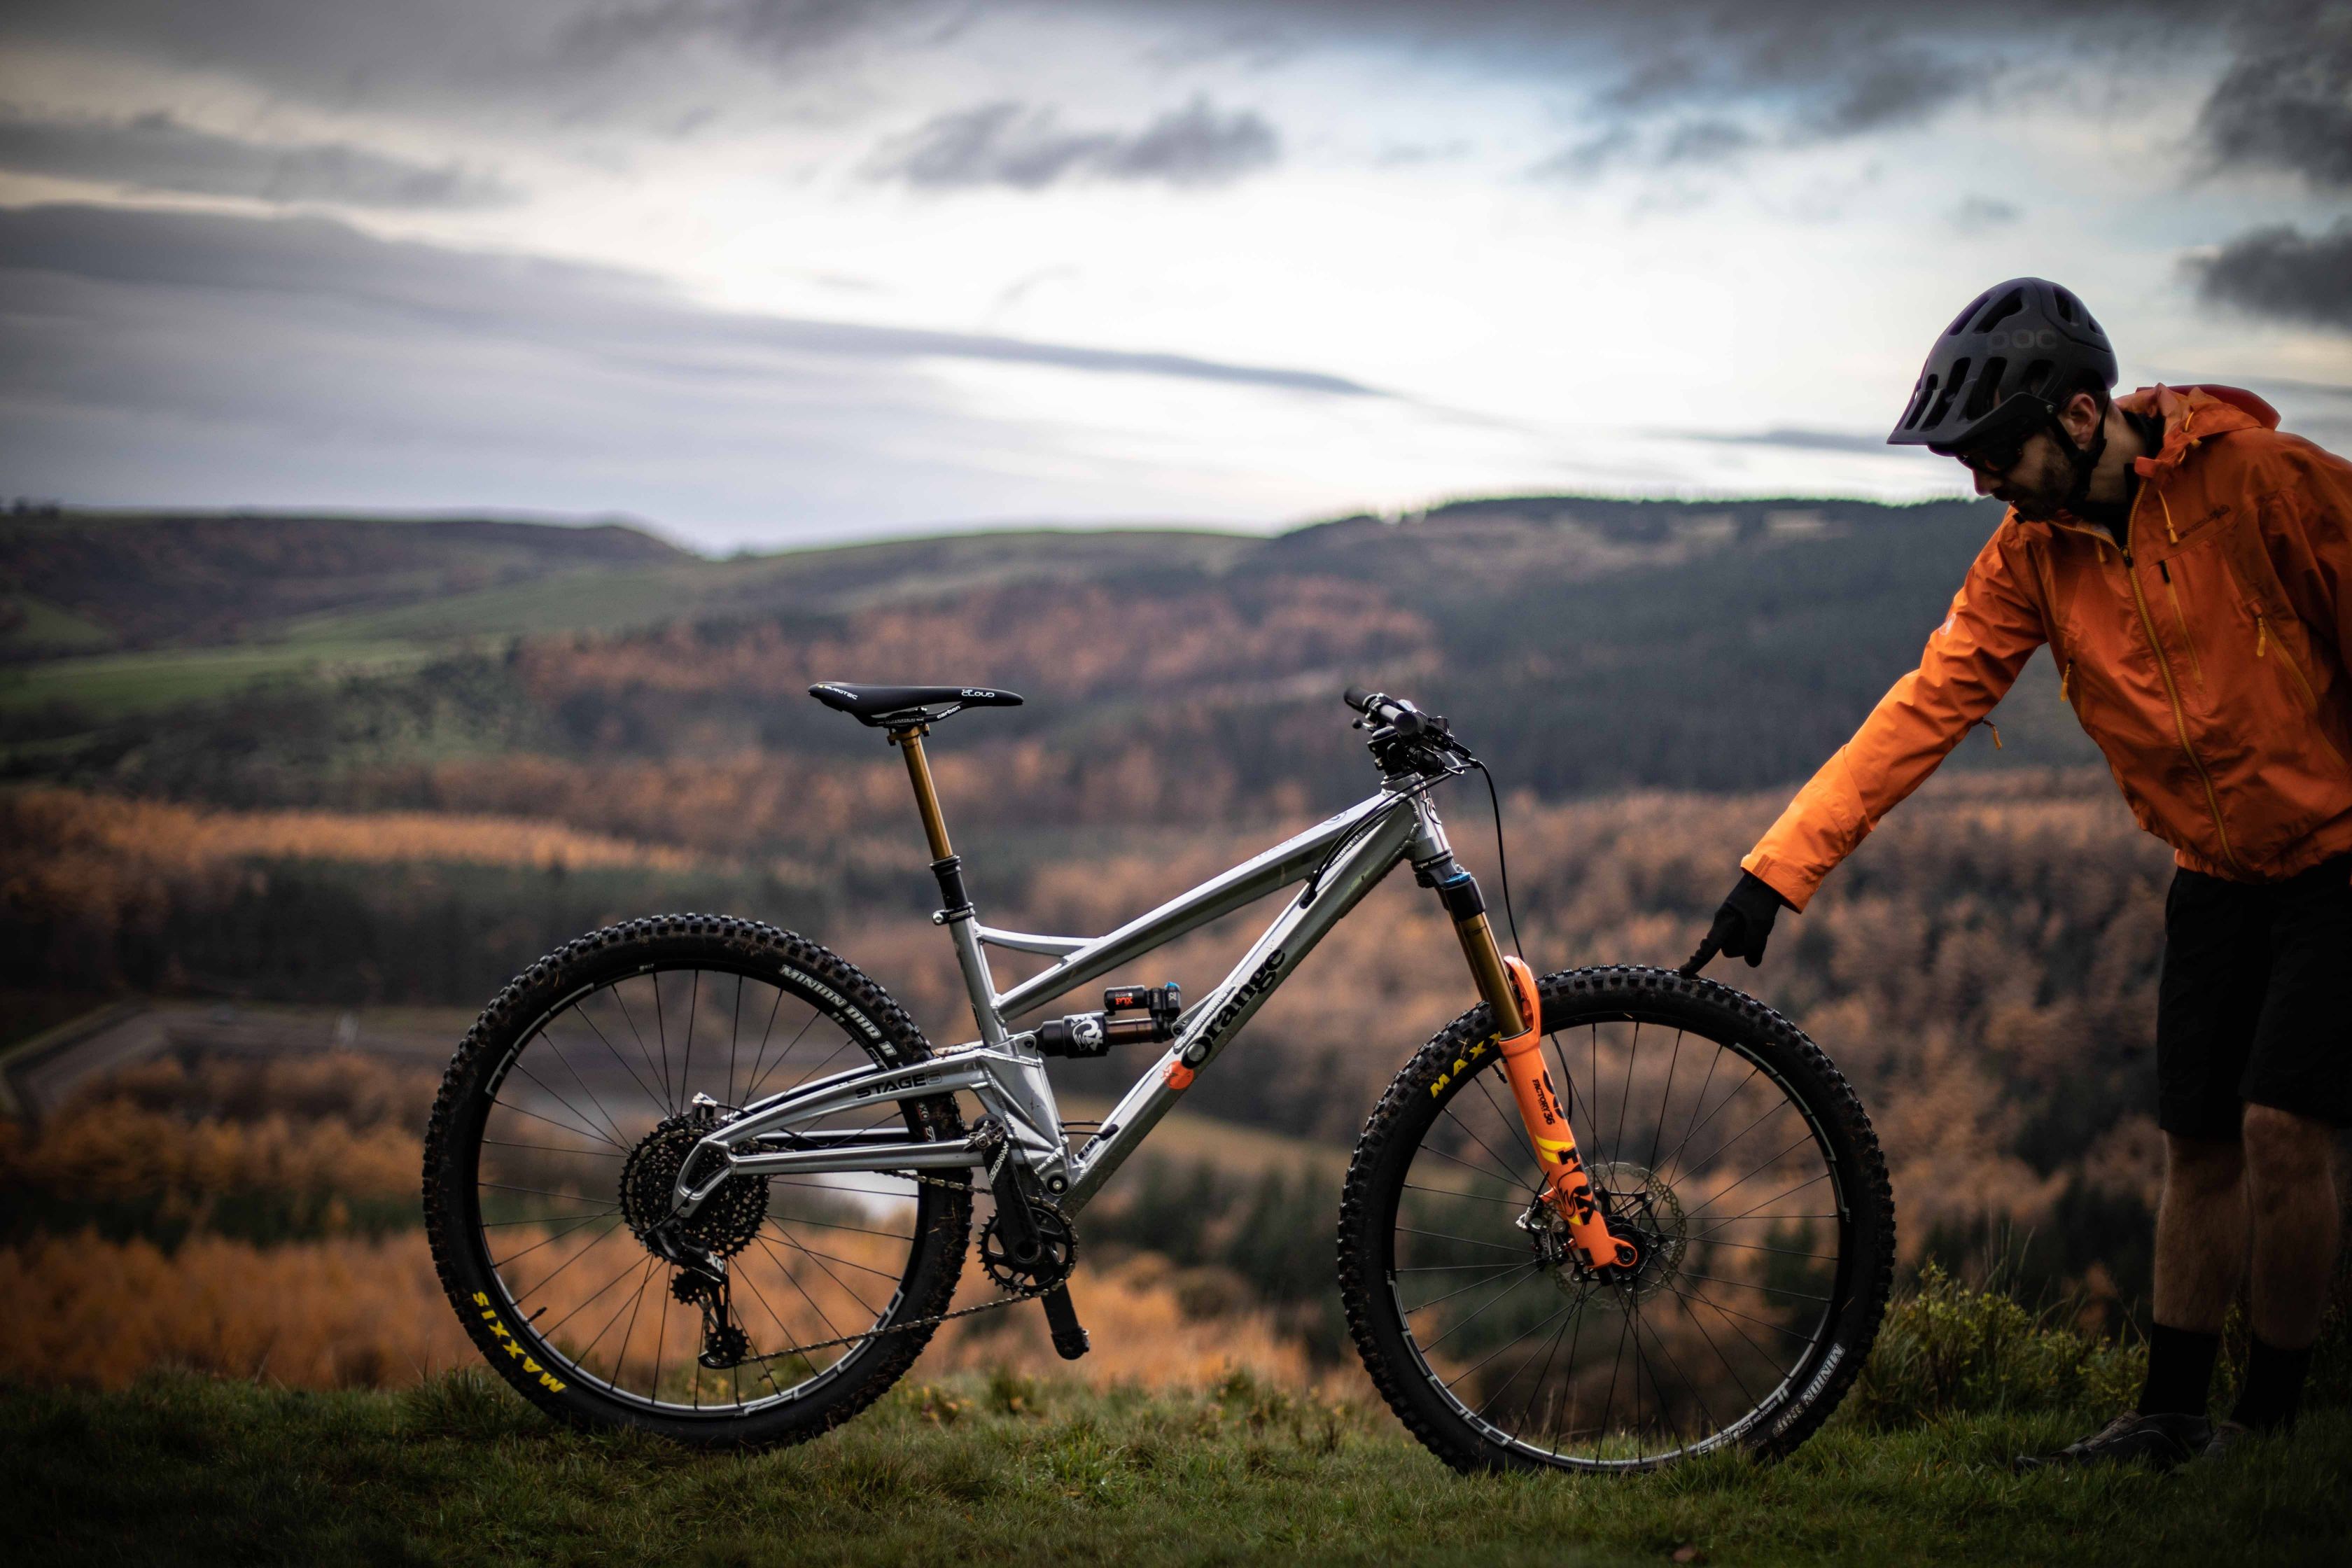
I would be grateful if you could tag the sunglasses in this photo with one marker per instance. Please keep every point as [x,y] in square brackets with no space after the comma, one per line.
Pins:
[1995,455]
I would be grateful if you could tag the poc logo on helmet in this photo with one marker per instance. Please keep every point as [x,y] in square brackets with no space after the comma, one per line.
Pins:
[2023,338]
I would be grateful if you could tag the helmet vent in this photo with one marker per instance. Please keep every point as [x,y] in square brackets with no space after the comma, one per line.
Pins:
[2010,304]
[2036,378]
[1961,320]
[1951,390]
[2069,310]
[1919,403]
[1987,392]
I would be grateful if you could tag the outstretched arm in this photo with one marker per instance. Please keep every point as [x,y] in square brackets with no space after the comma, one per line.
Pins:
[1970,664]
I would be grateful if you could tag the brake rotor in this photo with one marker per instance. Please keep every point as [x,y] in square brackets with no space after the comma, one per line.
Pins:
[727,1219]
[1643,1204]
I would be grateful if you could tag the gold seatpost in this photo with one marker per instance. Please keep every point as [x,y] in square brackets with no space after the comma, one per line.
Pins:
[927,796]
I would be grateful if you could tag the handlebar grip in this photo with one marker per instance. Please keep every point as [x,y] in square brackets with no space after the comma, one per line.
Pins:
[1359,699]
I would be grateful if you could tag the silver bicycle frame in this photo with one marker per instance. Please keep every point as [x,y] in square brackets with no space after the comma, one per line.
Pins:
[1006,1071]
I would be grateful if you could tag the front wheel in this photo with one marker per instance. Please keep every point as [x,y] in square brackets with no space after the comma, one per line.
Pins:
[1720,1139]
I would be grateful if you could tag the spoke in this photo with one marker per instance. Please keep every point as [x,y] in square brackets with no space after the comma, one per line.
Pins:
[1479,1197]
[751,1081]
[559,1268]
[1748,1285]
[1550,1351]
[1708,1233]
[1760,1322]
[500,1263]
[1513,1121]
[1475,1169]
[549,1148]
[1617,1141]
[1687,1299]
[1616,1364]
[1649,1161]
[661,1032]
[1781,1251]
[822,1257]
[541,1192]
[1574,1339]
[777,1317]
[1462,1323]
[862,1230]
[563,1126]
[557,1052]
[822,1316]
[1714,1422]
[785,1054]
[1441,1236]
[734,1038]
[638,1035]
[686,1071]
[1503,1166]
[1473,1285]
[1727,1100]
[581,1007]
[547,1335]
[586,1127]
[580,1361]
[1706,1083]
[630,1333]
[1717,1153]
[546,1219]
[1716,1195]
[1745,1392]
[1453,1267]
[1498,1350]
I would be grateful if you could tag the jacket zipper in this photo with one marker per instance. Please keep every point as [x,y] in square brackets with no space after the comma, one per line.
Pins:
[2187,641]
[2171,691]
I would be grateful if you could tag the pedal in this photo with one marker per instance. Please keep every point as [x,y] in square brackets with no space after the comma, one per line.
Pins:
[1070,1340]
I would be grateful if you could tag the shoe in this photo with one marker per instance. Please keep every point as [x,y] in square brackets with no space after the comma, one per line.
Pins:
[2160,1441]
[2227,1434]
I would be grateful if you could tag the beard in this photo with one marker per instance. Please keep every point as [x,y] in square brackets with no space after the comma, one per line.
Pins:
[2037,487]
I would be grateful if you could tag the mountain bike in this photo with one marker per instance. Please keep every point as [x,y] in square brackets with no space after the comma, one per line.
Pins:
[701,1176]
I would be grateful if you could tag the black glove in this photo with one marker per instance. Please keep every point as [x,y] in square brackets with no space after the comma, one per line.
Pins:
[1742,926]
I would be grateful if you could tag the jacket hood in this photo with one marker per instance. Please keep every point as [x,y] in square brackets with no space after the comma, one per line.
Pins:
[2191,414]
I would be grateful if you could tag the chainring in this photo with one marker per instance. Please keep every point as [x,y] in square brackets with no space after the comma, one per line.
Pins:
[727,1219]
[1059,1256]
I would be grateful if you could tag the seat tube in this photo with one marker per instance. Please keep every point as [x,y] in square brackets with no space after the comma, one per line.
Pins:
[955,911]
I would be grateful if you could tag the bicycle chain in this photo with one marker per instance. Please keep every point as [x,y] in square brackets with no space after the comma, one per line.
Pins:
[1005,1298]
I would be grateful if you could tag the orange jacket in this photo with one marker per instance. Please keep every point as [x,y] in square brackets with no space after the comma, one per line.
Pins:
[2208,657]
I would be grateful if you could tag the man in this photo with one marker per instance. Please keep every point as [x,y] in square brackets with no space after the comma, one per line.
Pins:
[2190,568]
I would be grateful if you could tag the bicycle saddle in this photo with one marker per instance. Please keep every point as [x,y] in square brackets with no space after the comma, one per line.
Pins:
[884,706]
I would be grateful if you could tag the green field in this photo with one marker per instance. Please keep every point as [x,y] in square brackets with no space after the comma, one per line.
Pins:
[184,1471]
[108,685]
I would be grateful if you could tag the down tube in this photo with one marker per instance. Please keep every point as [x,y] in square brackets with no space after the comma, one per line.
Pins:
[1269,962]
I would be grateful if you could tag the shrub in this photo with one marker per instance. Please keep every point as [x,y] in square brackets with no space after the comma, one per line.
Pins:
[1947,1349]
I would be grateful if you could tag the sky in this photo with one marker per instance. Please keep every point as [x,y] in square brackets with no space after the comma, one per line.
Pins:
[762,272]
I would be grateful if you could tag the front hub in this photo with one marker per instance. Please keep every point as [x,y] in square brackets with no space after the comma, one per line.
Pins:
[1641,1210]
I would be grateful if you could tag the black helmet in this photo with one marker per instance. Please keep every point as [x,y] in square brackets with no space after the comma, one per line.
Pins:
[2019,351]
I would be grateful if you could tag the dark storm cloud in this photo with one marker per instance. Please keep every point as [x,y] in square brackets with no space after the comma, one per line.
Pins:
[601,313]
[2285,274]
[2287,104]
[156,152]
[1028,149]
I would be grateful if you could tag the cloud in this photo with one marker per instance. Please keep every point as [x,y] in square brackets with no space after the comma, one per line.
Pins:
[2289,105]
[2282,273]
[156,152]
[592,311]
[1794,439]
[1011,144]
[1976,214]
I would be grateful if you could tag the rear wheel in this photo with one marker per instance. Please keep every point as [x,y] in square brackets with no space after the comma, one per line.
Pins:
[557,1138]
[1723,1142]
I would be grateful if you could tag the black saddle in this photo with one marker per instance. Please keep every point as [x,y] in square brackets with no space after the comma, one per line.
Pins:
[891,706]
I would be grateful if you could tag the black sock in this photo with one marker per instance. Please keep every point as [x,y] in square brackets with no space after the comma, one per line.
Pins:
[2180,1371]
[2274,1388]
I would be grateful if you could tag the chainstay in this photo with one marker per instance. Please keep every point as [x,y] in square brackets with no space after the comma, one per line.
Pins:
[1004,1298]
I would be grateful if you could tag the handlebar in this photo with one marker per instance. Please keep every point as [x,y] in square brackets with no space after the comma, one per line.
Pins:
[1403,734]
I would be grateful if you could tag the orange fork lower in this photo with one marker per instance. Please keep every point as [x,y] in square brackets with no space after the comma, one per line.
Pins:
[1567,1188]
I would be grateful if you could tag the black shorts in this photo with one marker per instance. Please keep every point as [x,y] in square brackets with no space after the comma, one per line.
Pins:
[2255,1004]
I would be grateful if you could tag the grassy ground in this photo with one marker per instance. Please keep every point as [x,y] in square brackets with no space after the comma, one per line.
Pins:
[183,1469]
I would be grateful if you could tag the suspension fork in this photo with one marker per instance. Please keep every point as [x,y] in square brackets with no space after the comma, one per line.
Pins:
[1508,987]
